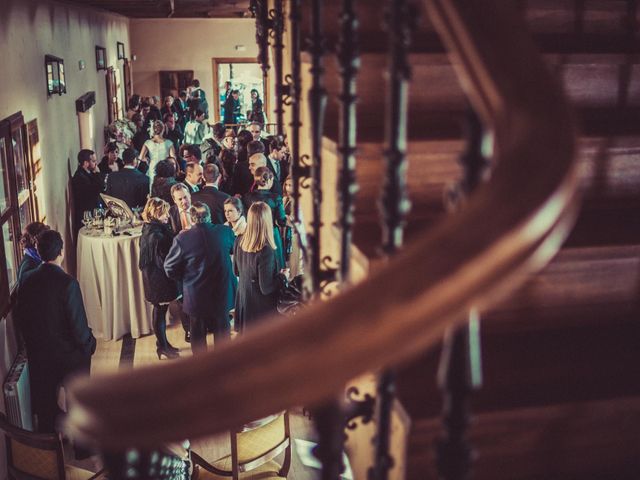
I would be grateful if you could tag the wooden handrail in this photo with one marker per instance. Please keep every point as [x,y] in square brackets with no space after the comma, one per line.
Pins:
[512,225]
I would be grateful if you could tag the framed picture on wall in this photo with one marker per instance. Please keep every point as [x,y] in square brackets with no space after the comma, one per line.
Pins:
[101,58]
[120,51]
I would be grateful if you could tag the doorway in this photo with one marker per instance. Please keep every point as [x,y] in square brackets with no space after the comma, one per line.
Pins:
[244,75]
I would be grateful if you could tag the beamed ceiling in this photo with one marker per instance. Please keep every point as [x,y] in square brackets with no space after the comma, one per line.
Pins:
[175,8]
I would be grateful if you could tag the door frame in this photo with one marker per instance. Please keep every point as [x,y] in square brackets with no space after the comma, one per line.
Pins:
[216,61]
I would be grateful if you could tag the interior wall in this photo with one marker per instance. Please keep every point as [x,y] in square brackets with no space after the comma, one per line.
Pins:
[187,44]
[30,29]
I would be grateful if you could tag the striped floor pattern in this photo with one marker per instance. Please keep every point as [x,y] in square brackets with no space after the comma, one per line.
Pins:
[111,356]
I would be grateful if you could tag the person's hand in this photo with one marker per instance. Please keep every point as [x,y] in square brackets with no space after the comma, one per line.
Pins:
[286,272]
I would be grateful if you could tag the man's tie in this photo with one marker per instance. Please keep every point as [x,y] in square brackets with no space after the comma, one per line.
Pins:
[184,220]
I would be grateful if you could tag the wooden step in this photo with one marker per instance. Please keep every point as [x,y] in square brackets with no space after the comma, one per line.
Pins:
[592,81]
[570,334]
[554,23]
[586,440]
[609,171]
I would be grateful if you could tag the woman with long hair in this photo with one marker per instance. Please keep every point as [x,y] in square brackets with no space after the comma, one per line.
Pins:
[234,213]
[159,290]
[263,180]
[257,113]
[158,148]
[254,261]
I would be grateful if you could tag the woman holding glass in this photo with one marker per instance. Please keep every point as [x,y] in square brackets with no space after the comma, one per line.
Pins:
[159,290]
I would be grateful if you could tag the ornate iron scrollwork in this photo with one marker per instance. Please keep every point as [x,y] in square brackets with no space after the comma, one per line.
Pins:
[394,201]
[276,18]
[460,369]
[317,98]
[260,11]
[358,408]
[349,61]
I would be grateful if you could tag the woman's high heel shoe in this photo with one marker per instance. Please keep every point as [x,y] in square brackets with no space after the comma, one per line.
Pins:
[169,346]
[170,354]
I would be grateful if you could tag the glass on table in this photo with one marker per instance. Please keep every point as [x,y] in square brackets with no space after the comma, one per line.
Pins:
[87,219]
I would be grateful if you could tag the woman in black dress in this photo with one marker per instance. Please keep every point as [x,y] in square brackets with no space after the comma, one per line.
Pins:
[257,114]
[263,181]
[254,261]
[110,162]
[159,290]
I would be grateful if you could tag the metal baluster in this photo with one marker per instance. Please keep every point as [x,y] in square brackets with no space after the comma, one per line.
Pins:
[260,10]
[294,80]
[394,203]
[349,61]
[277,32]
[460,370]
[317,98]
[329,420]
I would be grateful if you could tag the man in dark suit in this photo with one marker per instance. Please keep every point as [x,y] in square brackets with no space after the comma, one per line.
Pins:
[86,185]
[258,160]
[179,211]
[51,317]
[129,184]
[193,176]
[210,195]
[200,258]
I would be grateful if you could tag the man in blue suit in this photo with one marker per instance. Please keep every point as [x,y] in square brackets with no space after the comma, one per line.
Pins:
[200,258]
[129,184]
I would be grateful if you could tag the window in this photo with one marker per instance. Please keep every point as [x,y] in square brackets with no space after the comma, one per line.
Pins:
[17,199]
[173,82]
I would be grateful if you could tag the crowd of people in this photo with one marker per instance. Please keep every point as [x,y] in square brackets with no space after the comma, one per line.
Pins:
[218,237]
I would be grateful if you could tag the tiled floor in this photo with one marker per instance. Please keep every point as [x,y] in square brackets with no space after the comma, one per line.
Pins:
[127,352]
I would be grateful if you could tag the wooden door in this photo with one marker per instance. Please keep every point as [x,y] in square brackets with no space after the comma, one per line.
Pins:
[34,169]
[128,82]
[112,95]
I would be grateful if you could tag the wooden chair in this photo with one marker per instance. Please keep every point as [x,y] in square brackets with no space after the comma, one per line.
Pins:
[253,449]
[38,456]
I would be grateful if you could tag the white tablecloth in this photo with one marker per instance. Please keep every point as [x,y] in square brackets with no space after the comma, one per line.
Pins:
[111,284]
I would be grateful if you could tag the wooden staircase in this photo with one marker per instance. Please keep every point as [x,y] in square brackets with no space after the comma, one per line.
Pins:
[561,394]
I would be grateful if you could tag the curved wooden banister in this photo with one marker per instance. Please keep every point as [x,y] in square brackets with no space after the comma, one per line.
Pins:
[510,226]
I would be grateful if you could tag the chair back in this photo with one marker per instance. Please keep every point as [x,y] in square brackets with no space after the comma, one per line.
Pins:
[259,442]
[32,455]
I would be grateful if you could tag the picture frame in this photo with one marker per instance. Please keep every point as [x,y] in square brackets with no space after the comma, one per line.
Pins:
[120,46]
[55,75]
[101,58]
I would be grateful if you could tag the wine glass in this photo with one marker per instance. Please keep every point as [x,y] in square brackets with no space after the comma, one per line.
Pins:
[87,219]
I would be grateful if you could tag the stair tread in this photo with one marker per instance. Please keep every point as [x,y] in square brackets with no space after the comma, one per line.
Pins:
[587,440]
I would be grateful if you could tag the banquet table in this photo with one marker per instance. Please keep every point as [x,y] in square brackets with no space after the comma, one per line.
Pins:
[111,284]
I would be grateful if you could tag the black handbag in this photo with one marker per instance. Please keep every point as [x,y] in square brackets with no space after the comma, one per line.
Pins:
[290,296]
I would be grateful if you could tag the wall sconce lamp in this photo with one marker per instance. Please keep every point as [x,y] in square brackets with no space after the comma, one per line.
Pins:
[101,58]
[54,68]
[121,55]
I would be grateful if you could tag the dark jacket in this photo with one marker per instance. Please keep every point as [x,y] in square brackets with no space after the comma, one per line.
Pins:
[176,136]
[279,177]
[200,258]
[277,212]
[174,219]
[104,165]
[161,188]
[27,265]
[51,317]
[155,244]
[214,199]
[257,286]
[130,185]
[242,180]
[86,188]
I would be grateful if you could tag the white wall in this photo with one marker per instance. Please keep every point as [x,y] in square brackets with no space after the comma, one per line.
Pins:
[186,44]
[30,29]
